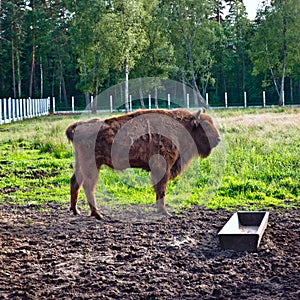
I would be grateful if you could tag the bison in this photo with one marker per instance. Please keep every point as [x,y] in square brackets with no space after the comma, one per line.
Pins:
[159,141]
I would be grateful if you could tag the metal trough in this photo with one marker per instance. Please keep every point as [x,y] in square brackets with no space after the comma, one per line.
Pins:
[244,230]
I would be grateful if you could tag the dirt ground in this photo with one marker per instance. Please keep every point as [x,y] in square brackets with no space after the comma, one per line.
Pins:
[50,254]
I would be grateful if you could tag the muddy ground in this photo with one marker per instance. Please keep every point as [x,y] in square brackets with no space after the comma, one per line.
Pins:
[50,254]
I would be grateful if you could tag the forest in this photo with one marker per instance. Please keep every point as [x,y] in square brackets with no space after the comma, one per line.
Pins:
[64,48]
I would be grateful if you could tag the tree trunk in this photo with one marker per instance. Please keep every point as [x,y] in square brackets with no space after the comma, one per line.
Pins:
[32,67]
[53,84]
[271,70]
[198,97]
[13,68]
[63,86]
[32,54]
[13,30]
[62,81]
[87,97]
[284,55]
[86,93]
[19,73]
[42,79]
[281,97]
[244,70]
[94,104]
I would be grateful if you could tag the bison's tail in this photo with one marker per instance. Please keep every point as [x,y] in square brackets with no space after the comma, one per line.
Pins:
[70,132]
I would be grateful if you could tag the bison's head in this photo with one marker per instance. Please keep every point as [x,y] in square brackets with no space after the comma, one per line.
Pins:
[205,133]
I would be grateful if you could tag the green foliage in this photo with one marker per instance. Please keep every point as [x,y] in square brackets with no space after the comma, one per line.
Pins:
[274,48]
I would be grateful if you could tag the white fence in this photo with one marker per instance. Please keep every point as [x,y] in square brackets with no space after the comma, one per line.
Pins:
[19,109]
[110,104]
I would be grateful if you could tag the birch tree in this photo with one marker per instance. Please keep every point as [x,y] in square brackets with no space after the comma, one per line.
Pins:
[121,36]
[194,34]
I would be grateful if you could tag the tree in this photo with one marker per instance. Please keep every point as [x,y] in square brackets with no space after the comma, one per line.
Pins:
[157,58]
[275,46]
[194,34]
[237,35]
[13,17]
[93,69]
[121,37]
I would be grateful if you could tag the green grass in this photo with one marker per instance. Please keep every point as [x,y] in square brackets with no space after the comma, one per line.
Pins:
[257,165]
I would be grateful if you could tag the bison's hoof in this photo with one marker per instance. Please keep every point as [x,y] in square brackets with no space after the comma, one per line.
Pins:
[164,212]
[75,211]
[99,216]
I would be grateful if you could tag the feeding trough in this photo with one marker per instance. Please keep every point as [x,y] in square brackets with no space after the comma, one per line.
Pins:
[244,230]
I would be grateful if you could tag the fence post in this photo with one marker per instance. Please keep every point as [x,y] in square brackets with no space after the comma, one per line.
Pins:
[73,103]
[169,101]
[15,112]
[36,108]
[9,109]
[17,109]
[130,103]
[245,99]
[41,107]
[4,110]
[226,100]
[111,103]
[92,103]
[149,100]
[1,112]
[264,98]
[188,101]
[206,99]
[31,107]
[25,109]
[45,107]
[37,105]
[42,104]
[21,109]
[13,109]
[48,105]
[53,105]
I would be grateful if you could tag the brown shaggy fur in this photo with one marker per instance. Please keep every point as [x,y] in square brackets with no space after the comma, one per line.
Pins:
[159,141]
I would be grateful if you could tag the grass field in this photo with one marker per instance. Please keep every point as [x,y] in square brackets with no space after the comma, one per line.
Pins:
[257,165]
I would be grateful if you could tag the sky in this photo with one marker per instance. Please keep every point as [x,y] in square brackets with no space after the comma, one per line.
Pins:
[251,7]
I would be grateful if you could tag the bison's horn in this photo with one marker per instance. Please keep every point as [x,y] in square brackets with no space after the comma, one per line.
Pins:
[198,114]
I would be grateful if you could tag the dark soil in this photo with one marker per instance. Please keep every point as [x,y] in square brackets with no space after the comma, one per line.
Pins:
[50,254]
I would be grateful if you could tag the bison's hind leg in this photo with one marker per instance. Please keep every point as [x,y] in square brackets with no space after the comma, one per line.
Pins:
[89,186]
[75,184]
[160,185]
